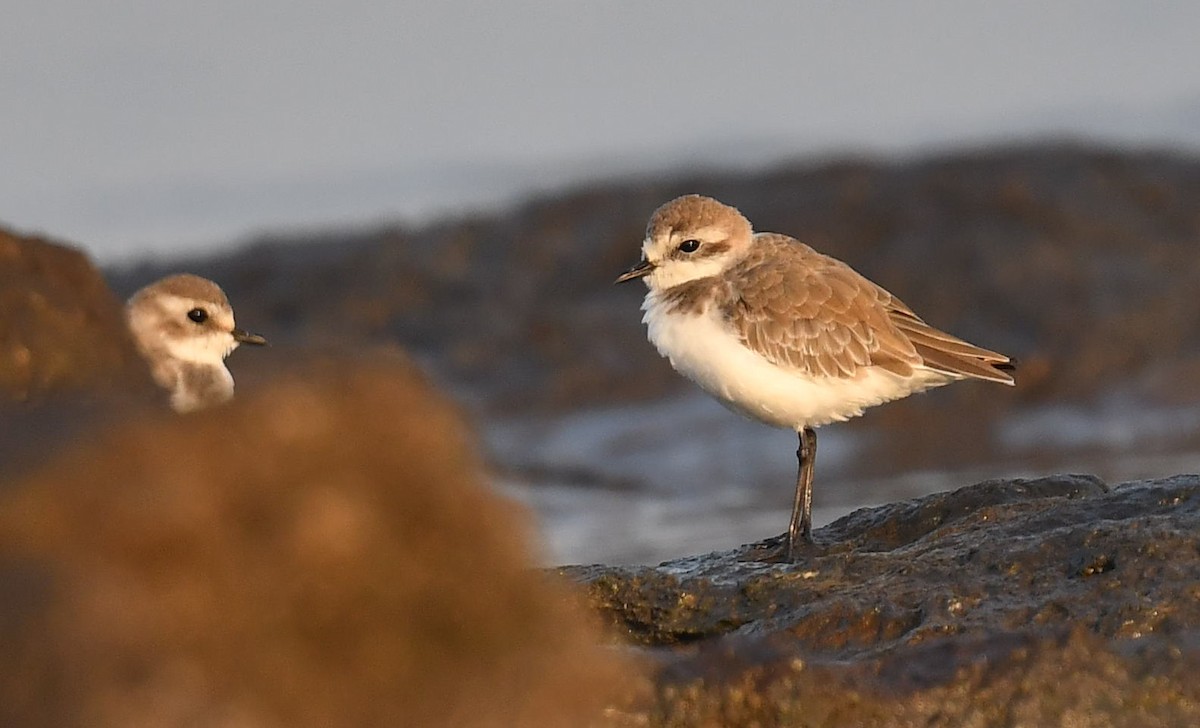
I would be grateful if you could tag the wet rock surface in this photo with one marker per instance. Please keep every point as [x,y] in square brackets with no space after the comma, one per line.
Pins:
[1020,602]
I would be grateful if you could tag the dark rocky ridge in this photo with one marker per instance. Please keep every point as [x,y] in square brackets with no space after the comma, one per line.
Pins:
[1079,261]
[1004,603]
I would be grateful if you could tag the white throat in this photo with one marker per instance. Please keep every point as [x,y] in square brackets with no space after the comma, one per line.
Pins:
[671,273]
[208,349]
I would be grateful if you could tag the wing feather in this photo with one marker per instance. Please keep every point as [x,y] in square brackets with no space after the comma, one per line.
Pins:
[811,313]
[816,315]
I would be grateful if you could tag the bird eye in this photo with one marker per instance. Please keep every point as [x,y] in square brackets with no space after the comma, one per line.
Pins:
[198,315]
[689,246]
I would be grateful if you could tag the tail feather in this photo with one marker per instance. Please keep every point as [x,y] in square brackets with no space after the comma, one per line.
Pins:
[950,354]
[965,366]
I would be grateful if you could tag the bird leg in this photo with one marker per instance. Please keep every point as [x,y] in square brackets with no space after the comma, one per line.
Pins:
[800,528]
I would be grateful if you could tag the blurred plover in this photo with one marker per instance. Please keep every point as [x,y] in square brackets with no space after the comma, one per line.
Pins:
[786,335]
[183,326]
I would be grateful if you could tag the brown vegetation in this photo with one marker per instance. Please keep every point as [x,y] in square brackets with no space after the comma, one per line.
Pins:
[61,328]
[320,552]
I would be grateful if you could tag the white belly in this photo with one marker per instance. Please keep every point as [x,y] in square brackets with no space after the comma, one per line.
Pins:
[705,349]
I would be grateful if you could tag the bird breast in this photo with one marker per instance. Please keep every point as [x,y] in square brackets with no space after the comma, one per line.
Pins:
[703,347]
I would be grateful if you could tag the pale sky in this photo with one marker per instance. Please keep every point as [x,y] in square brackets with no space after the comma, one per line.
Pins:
[139,126]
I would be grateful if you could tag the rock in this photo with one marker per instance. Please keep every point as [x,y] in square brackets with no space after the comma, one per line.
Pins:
[67,362]
[1022,602]
[61,328]
[320,552]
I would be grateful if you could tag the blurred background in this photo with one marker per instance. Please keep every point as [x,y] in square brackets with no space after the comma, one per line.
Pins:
[466,181]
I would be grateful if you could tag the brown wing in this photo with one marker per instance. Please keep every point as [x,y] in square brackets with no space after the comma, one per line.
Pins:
[812,313]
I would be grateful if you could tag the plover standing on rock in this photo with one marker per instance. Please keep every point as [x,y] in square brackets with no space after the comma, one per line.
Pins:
[183,325]
[785,335]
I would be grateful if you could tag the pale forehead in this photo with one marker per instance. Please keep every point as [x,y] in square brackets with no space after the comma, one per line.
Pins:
[693,213]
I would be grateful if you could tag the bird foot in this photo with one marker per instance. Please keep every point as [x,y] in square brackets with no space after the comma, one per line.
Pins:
[775,550]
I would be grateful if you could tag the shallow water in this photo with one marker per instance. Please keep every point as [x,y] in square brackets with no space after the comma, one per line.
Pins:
[650,482]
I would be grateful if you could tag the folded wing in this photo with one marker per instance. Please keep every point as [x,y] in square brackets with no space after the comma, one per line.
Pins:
[808,312]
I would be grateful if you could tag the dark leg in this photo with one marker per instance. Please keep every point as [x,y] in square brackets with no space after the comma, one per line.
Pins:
[800,529]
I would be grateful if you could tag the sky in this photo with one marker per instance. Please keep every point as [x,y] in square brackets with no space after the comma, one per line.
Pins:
[137,127]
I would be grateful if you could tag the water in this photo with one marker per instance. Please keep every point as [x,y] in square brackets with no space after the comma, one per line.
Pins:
[641,484]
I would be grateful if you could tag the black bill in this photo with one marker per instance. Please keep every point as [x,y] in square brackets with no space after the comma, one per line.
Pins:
[243,337]
[643,268]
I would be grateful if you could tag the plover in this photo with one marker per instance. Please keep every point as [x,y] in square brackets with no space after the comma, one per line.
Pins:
[785,335]
[183,326]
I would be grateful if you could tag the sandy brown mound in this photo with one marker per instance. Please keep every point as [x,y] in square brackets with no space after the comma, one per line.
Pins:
[319,553]
[61,328]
